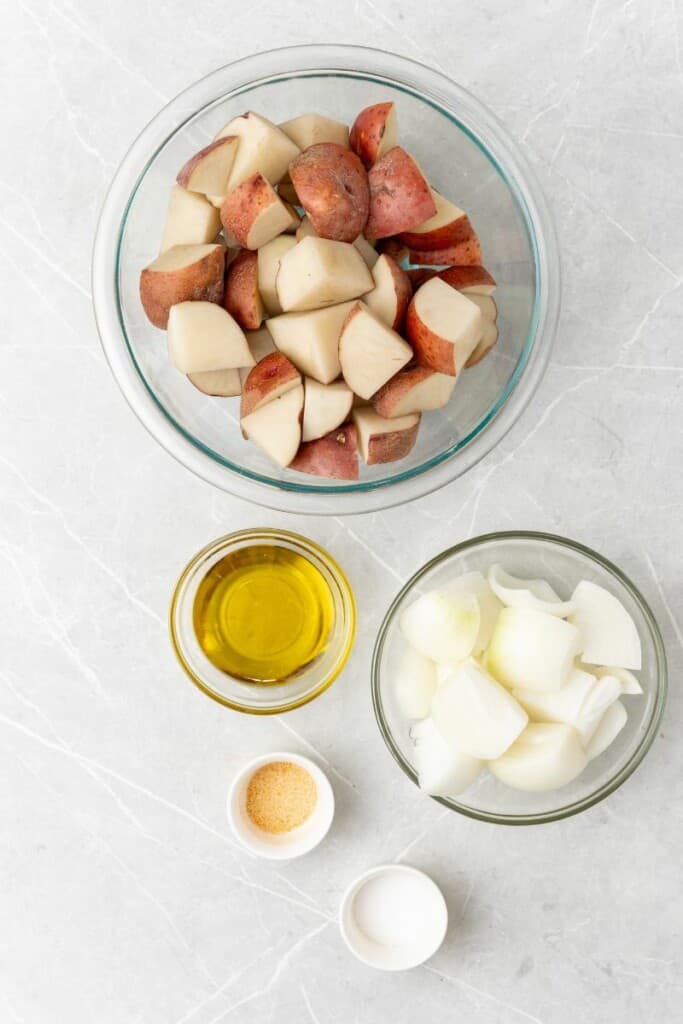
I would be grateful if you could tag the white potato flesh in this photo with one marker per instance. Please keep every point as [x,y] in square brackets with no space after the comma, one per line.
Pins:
[382,440]
[433,392]
[450,316]
[179,256]
[519,593]
[260,345]
[581,702]
[320,272]
[477,714]
[487,305]
[608,633]
[546,756]
[203,336]
[270,222]
[190,220]
[218,383]
[489,605]
[489,337]
[312,129]
[326,406]
[609,727]
[382,299]
[263,147]
[443,627]
[366,250]
[629,683]
[305,230]
[390,135]
[208,172]
[311,339]
[442,769]
[532,650]
[295,218]
[268,264]
[370,352]
[370,256]
[276,426]
[415,684]
[446,213]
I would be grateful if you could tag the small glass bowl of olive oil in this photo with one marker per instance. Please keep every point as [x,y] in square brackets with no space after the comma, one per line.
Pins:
[263,621]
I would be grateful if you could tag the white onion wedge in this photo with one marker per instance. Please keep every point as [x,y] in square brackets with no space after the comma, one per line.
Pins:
[546,756]
[608,633]
[442,769]
[611,724]
[629,683]
[476,714]
[489,605]
[442,627]
[518,593]
[415,684]
[444,673]
[581,702]
[532,649]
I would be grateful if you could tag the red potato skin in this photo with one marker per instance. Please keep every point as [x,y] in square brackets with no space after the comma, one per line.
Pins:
[392,446]
[404,292]
[448,235]
[332,186]
[367,131]
[334,456]
[185,172]
[242,299]
[466,254]
[431,351]
[400,197]
[243,206]
[388,396]
[269,373]
[392,247]
[159,290]
[466,277]
[418,275]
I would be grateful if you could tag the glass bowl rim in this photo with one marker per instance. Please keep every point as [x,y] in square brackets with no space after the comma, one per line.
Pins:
[661,682]
[428,86]
[224,544]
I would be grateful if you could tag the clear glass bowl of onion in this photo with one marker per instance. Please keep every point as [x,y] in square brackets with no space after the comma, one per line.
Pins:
[563,564]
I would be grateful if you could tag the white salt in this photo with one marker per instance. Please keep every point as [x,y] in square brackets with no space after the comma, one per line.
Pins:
[397,908]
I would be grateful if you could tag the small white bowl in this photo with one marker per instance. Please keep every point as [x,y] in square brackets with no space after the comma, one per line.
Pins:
[288,844]
[393,917]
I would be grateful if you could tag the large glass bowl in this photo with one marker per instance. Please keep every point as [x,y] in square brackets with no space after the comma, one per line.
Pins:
[466,154]
[562,562]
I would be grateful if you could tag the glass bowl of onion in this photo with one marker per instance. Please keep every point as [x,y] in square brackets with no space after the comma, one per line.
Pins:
[519,678]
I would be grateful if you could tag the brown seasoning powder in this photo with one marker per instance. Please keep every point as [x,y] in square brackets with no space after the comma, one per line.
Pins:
[280,797]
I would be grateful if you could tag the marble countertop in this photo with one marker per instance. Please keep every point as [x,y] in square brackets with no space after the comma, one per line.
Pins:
[123,896]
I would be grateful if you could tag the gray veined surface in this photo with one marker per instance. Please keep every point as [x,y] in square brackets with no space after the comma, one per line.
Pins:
[117,869]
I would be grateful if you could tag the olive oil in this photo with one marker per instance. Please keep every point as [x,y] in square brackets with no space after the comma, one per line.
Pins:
[263,613]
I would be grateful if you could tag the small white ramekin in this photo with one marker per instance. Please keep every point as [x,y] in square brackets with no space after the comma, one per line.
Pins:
[288,844]
[428,921]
